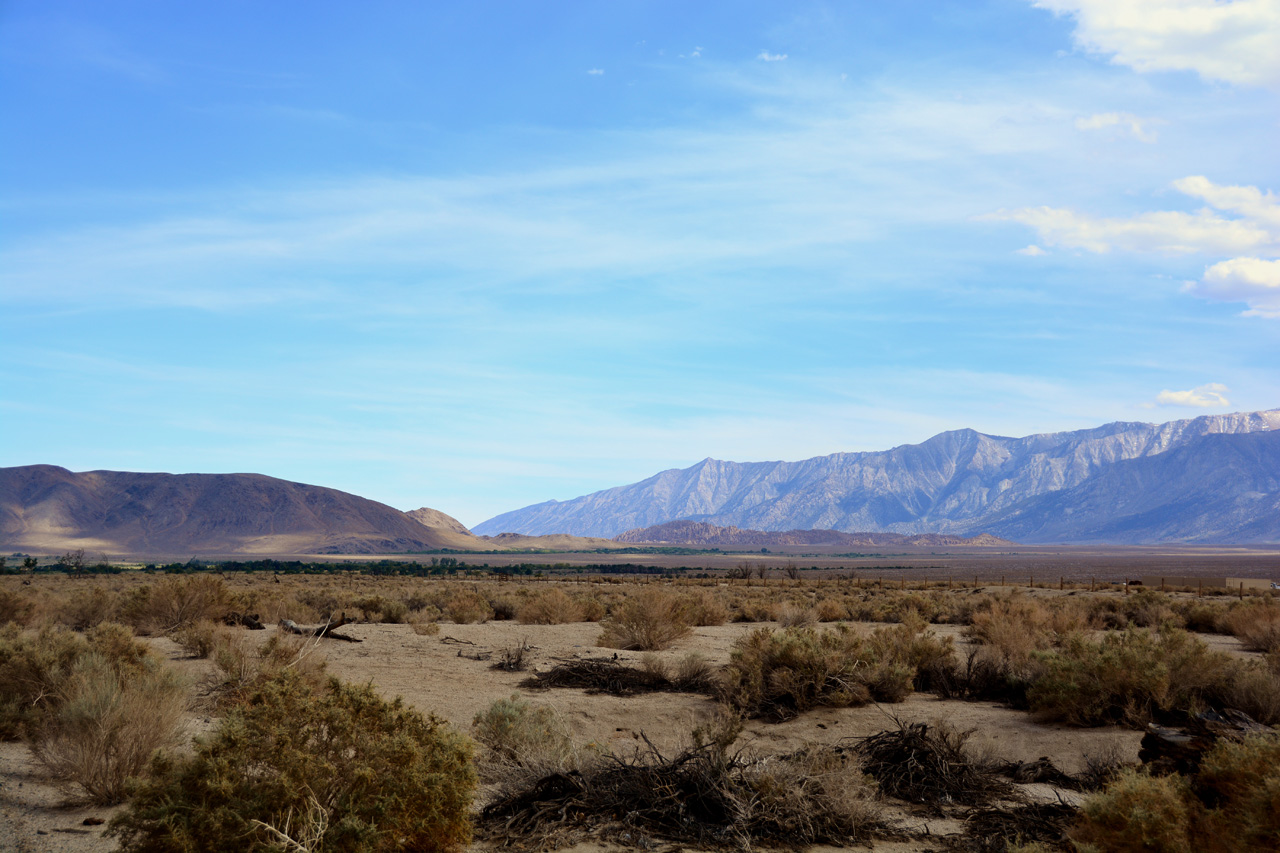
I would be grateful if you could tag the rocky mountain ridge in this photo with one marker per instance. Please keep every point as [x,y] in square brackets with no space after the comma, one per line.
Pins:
[702,535]
[1131,478]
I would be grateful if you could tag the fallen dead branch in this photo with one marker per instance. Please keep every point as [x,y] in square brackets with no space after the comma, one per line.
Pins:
[325,631]
[928,765]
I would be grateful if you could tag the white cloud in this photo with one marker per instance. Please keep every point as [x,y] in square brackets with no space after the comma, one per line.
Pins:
[1032,251]
[1234,41]
[1138,128]
[1203,397]
[1255,231]
[1250,280]
[771,57]
[596,71]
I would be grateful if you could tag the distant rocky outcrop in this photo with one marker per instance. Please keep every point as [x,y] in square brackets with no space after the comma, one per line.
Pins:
[47,509]
[703,535]
[1212,479]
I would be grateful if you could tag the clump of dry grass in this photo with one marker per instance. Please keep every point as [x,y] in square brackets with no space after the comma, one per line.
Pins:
[650,620]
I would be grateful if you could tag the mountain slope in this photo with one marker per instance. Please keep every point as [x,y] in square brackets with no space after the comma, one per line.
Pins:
[46,509]
[956,482]
[703,535]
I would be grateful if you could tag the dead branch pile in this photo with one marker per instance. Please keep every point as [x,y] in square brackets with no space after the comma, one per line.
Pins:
[608,676]
[993,830]
[703,797]
[924,764]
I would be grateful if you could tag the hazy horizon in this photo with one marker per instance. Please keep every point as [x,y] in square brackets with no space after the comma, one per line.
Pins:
[476,257]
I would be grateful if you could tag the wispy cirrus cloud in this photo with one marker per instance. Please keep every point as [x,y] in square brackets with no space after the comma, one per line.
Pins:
[1212,395]
[771,57]
[1128,123]
[1232,42]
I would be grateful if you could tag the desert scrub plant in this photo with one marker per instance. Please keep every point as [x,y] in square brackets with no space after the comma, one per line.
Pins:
[516,733]
[32,665]
[199,639]
[14,607]
[375,775]
[1229,804]
[1256,624]
[244,665]
[1126,677]
[174,603]
[782,673]
[85,608]
[468,605]
[1136,813]
[650,620]
[109,717]
[550,607]
[706,608]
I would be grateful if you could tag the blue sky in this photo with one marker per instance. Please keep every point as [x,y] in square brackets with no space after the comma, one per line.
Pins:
[478,255]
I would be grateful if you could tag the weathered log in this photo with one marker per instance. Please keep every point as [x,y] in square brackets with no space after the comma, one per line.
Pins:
[1166,750]
[319,631]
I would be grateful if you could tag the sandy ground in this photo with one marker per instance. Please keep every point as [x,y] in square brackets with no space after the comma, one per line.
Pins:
[450,675]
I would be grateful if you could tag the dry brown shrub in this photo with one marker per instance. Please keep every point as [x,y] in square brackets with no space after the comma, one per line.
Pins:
[468,605]
[174,603]
[705,607]
[107,723]
[424,627]
[1256,625]
[792,615]
[15,607]
[244,664]
[549,607]
[831,610]
[522,737]
[650,620]
[84,608]
[197,639]
[591,607]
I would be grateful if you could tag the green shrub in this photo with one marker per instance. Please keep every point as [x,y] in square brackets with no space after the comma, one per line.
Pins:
[786,672]
[1137,812]
[1126,677]
[650,620]
[518,733]
[355,772]
[1232,803]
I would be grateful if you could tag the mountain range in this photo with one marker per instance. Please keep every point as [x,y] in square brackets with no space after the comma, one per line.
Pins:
[1212,479]
[702,535]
